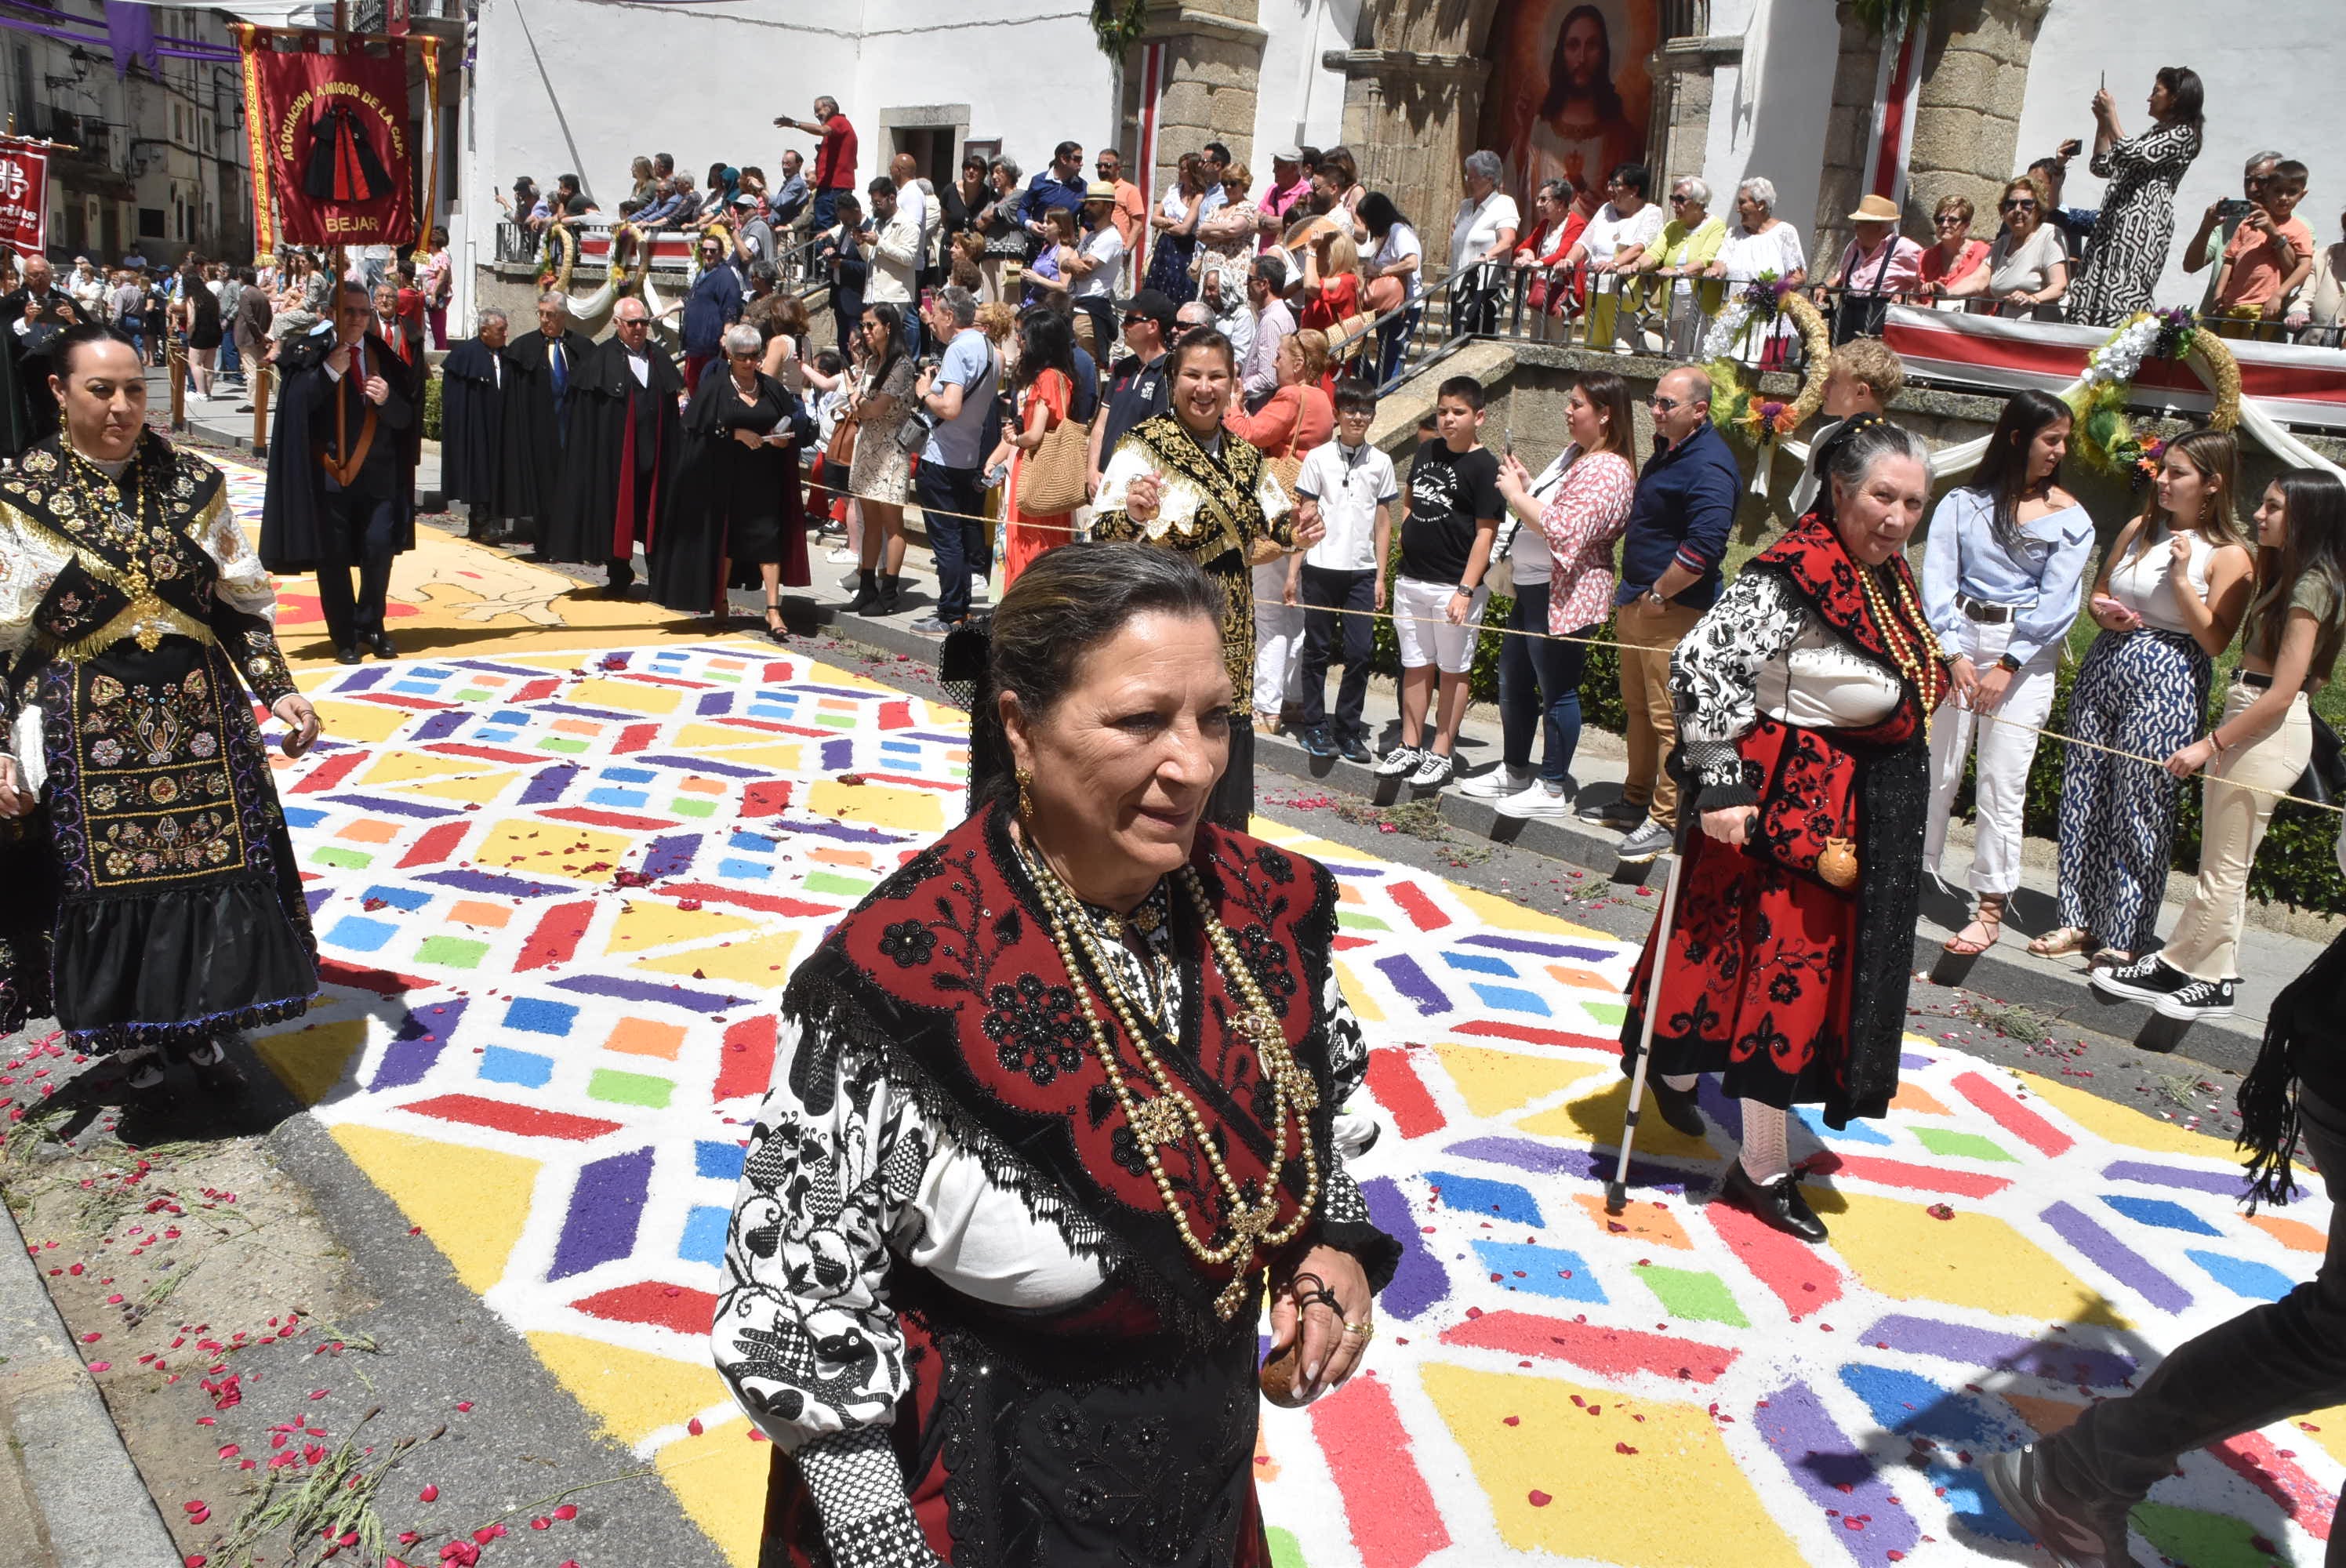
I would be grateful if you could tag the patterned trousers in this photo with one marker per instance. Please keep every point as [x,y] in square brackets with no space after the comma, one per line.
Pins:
[2145,692]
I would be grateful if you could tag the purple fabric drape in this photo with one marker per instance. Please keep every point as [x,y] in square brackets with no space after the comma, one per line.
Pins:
[130,29]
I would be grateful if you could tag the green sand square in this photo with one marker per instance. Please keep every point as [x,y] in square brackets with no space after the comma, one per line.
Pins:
[691,805]
[561,743]
[1969,1146]
[455,951]
[1360,922]
[2198,1539]
[1693,1294]
[630,1089]
[349,860]
[831,883]
[477,696]
[1609,1013]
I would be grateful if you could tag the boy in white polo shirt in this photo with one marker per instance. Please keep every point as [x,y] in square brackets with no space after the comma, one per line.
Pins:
[1454,507]
[1341,581]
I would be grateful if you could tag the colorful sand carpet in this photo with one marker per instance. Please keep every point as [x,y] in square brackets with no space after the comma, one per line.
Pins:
[550,1068]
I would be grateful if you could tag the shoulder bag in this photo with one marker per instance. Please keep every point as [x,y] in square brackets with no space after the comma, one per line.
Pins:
[2323,783]
[1053,479]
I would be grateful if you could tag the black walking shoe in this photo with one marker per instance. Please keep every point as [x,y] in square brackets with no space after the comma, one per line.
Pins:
[383,647]
[1315,741]
[888,603]
[348,653]
[1678,1109]
[2148,979]
[1778,1203]
[1355,750]
[867,593]
[2199,998]
[2076,1532]
[1618,814]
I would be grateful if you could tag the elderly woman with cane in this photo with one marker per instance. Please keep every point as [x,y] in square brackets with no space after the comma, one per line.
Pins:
[1804,697]
[1056,1107]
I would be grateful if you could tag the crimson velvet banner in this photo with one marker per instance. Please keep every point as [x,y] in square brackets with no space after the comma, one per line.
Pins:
[332,130]
[24,195]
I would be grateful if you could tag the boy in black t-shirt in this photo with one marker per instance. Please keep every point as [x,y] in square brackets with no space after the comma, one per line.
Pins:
[1454,509]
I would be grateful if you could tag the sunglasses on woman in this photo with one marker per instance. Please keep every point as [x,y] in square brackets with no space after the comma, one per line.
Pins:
[2022,206]
[1949,221]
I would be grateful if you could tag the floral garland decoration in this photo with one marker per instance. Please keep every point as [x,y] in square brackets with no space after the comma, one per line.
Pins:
[2105,434]
[552,274]
[1739,412]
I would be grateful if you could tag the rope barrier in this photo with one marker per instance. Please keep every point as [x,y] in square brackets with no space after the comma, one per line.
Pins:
[2041,732]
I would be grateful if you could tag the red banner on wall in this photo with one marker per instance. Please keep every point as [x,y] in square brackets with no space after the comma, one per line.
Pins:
[24,195]
[332,130]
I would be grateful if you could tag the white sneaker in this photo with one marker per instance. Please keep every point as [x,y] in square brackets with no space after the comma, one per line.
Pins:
[1433,773]
[844,557]
[1541,800]
[1401,759]
[1498,783]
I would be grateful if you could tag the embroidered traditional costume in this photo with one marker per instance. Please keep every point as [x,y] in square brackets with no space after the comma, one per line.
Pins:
[1212,506]
[1804,691]
[992,1294]
[153,898]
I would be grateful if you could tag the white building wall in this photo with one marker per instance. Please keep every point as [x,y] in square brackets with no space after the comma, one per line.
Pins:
[1792,46]
[1299,99]
[2270,81]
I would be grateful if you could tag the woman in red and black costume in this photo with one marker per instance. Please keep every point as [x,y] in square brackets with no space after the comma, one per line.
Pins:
[1056,1101]
[1804,697]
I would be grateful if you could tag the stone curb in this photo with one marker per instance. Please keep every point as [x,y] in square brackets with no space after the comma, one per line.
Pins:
[89,1496]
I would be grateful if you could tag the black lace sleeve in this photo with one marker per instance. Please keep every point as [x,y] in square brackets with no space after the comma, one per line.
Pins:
[1715,680]
[1345,1223]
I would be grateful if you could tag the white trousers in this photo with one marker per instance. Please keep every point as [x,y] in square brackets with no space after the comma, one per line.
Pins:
[1278,641]
[2006,745]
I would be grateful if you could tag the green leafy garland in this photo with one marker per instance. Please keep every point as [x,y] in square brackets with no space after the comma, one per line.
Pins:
[1116,24]
[1890,18]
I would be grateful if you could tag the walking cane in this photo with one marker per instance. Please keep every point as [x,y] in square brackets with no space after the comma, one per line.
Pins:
[1616,1191]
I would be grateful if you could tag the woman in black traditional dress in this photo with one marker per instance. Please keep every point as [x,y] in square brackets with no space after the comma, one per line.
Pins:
[153,905]
[1054,1105]
[1804,697]
[735,503]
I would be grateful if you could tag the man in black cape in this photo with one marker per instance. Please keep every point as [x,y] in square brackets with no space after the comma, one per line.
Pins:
[31,316]
[545,365]
[482,436]
[341,469]
[626,440]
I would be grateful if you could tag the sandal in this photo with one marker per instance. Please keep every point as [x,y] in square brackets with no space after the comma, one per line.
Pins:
[776,631]
[1987,918]
[2061,941]
[2110,958]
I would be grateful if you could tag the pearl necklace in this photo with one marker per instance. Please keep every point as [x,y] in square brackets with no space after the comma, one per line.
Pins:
[1171,1115]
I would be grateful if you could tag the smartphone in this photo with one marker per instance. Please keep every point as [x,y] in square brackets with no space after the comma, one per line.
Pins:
[2233,207]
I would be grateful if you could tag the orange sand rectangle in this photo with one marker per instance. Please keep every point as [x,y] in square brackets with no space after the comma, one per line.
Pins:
[474,912]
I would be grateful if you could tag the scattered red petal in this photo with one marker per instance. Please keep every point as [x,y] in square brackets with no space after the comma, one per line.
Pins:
[1539,1499]
[693,1426]
[567,1511]
[429,1494]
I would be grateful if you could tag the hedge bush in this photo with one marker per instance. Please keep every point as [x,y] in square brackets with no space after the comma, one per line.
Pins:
[432,406]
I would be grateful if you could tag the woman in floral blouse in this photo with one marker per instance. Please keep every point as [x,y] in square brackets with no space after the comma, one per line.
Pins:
[1563,567]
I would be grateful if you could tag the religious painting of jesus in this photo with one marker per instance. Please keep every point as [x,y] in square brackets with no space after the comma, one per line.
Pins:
[1570,93]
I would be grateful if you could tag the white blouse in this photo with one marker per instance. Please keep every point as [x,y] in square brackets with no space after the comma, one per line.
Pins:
[2140,582]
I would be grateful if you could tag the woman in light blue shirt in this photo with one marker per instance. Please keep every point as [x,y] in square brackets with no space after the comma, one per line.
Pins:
[2001,573]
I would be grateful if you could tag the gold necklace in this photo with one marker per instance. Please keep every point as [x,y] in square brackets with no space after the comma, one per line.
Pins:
[1252,1227]
[1913,646]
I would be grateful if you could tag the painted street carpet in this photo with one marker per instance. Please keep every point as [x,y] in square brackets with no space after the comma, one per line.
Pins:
[561,863]
[558,891]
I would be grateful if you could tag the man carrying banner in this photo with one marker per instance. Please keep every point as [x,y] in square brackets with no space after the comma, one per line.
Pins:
[627,438]
[342,471]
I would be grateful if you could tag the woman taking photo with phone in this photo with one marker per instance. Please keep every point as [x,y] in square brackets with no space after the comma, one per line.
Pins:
[2170,593]
[2259,748]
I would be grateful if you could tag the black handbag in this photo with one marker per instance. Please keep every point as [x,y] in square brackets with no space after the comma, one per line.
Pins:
[2323,781]
[1856,316]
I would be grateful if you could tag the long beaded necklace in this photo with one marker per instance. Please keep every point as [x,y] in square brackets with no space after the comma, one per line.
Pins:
[1913,646]
[1171,1115]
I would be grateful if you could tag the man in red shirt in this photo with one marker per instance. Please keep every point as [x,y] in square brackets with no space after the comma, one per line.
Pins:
[834,161]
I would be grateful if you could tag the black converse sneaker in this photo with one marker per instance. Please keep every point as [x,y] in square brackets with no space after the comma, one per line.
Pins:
[2199,998]
[2148,979]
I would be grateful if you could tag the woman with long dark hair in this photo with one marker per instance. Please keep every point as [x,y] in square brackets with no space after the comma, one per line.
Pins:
[2129,249]
[2171,591]
[880,477]
[199,321]
[1175,223]
[2289,648]
[1043,386]
[2002,569]
[1567,522]
[1395,271]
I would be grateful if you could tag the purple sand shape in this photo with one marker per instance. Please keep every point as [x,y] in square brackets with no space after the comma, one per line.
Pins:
[417,1046]
[609,716]
[1914,1061]
[1715,1105]
[834,691]
[1983,1348]
[704,765]
[647,991]
[1545,948]
[366,679]
[474,882]
[441,726]
[834,831]
[837,754]
[605,1207]
[2116,1259]
[394,808]
[1362,871]
[2222,1184]
[316,896]
[547,785]
[671,856]
[1822,1459]
[714,702]
[495,667]
[1420,1280]
[1595,1165]
[1410,982]
[932,735]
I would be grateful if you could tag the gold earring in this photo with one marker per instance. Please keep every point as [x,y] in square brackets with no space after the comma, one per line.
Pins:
[1026,801]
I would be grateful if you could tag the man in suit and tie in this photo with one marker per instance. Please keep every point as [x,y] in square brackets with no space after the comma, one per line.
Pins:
[544,363]
[342,471]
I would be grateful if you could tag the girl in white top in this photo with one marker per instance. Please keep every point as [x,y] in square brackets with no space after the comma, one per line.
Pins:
[2171,592]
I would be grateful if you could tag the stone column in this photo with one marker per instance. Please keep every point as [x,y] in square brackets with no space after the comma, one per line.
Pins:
[1412,97]
[1213,57]
[1974,63]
